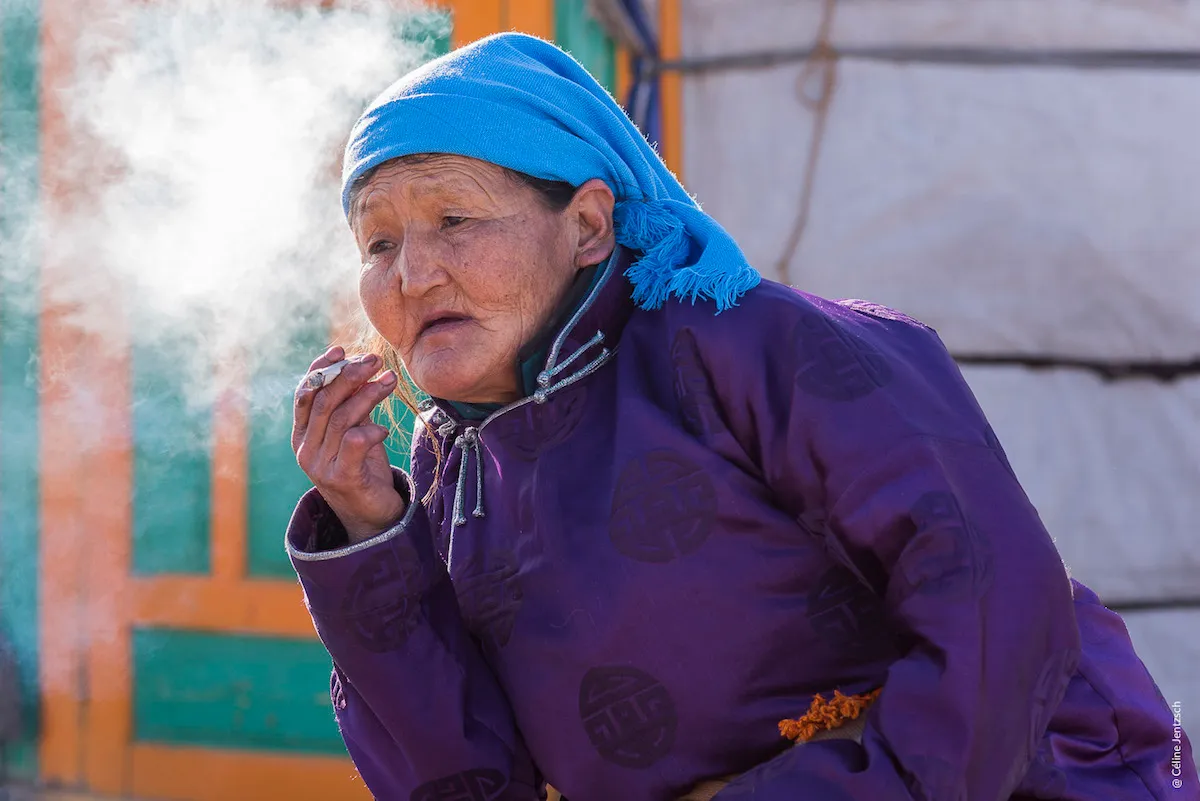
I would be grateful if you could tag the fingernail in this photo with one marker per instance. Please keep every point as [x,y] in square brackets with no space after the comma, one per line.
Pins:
[336,349]
[366,358]
[388,378]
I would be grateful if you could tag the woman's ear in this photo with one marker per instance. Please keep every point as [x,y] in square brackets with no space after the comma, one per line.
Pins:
[592,208]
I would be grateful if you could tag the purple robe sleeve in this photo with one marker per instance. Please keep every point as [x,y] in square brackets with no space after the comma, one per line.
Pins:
[865,431]
[419,709]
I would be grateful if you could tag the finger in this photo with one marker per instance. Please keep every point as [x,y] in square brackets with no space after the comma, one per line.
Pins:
[385,384]
[302,399]
[356,410]
[356,443]
[327,400]
[334,354]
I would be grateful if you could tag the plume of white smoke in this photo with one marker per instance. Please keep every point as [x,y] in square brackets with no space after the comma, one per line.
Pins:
[203,212]
[212,132]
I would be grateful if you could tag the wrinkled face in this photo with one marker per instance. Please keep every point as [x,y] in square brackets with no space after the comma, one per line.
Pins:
[462,265]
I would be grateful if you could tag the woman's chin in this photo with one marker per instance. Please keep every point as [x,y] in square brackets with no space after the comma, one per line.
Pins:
[442,386]
[447,378]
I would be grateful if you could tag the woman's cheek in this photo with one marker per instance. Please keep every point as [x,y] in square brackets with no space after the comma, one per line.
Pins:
[374,298]
[368,284]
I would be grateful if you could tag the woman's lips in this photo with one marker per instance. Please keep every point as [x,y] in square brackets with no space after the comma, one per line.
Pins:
[443,325]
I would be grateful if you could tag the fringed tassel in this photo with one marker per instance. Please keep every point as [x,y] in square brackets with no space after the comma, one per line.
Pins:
[824,714]
[662,237]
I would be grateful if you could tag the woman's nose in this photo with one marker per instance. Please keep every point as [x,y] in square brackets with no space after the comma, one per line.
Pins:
[420,266]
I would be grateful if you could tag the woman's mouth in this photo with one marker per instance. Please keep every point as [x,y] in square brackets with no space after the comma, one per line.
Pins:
[443,324]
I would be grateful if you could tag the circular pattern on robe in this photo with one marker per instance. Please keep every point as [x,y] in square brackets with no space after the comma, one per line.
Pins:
[490,598]
[533,429]
[663,508]
[947,553]
[846,613]
[834,363]
[479,784]
[382,598]
[693,387]
[628,715]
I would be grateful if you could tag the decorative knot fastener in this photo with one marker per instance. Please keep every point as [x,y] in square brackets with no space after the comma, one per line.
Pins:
[827,713]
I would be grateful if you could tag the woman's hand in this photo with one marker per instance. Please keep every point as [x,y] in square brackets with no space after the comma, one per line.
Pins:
[341,450]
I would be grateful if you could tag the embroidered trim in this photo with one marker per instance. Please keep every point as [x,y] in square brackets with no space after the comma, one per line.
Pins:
[382,537]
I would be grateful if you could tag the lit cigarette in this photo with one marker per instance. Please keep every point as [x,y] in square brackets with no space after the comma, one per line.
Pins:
[319,378]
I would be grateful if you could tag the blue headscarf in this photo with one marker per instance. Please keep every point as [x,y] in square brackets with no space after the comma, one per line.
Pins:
[522,103]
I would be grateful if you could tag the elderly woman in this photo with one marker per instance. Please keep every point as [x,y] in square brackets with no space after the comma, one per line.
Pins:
[661,510]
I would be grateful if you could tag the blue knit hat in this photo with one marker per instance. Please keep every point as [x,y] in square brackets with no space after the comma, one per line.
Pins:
[522,103]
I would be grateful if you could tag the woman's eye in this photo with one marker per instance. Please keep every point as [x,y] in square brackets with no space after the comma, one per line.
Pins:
[378,246]
[450,221]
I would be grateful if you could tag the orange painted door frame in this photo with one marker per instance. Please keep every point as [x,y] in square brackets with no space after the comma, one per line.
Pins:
[670,46]
[474,19]
[62,597]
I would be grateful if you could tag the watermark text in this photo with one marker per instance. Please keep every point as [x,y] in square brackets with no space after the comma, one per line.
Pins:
[1177,745]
